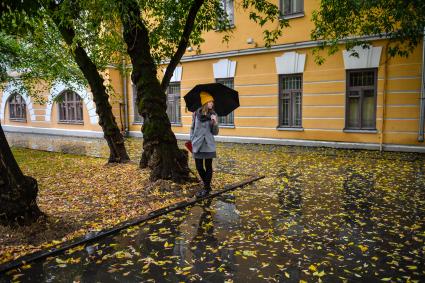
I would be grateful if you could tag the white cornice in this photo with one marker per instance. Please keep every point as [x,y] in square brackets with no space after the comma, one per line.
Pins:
[258,50]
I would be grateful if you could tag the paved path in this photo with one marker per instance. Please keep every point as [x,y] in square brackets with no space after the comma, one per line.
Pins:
[319,215]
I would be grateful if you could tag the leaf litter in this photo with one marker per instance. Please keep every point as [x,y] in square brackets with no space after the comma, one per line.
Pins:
[319,215]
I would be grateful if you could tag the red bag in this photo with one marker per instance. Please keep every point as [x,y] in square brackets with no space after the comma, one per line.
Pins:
[188,145]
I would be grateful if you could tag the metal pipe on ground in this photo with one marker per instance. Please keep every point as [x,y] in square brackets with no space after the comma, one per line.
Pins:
[101,234]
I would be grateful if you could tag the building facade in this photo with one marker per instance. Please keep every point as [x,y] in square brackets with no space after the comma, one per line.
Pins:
[371,102]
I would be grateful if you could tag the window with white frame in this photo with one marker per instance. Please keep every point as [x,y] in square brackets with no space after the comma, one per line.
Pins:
[228,8]
[361,99]
[17,108]
[70,108]
[228,120]
[290,100]
[291,7]
[173,103]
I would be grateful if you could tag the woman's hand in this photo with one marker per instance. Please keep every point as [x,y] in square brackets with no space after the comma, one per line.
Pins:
[214,118]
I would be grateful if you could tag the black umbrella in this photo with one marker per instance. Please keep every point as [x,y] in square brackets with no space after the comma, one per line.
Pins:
[225,99]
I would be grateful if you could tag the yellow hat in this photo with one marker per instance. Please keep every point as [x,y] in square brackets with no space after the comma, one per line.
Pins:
[206,97]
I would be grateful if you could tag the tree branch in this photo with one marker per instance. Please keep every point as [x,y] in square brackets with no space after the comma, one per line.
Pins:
[184,41]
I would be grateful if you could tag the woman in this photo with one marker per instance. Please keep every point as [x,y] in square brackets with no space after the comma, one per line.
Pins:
[204,127]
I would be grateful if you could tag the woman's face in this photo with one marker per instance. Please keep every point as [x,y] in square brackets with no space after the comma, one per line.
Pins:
[210,105]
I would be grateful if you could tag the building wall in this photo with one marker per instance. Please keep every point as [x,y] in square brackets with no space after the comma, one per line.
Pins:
[43,116]
[323,101]
[256,80]
[244,28]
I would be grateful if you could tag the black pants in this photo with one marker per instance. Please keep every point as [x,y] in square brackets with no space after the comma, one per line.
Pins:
[205,173]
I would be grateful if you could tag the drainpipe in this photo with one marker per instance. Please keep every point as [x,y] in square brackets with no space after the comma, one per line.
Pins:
[124,83]
[422,101]
[384,97]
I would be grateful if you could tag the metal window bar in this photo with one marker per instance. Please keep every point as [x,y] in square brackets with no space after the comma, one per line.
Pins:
[173,103]
[290,101]
[71,108]
[291,7]
[17,108]
[228,120]
[228,8]
[361,99]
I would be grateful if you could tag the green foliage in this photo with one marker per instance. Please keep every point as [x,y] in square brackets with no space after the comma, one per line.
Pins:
[41,53]
[30,24]
[166,20]
[402,22]
[97,25]
[9,51]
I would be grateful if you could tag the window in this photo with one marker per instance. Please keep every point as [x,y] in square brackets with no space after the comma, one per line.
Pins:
[70,108]
[290,99]
[173,103]
[228,8]
[17,108]
[361,100]
[291,7]
[228,120]
[138,119]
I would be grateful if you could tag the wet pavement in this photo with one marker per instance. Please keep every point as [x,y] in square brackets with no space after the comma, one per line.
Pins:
[319,215]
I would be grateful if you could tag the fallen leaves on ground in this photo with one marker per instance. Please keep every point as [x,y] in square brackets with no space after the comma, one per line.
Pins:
[81,194]
[320,215]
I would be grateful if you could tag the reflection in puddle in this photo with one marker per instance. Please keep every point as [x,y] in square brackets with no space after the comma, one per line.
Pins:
[318,215]
[253,234]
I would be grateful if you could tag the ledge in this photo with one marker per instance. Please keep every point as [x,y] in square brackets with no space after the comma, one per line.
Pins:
[71,123]
[232,26]
[226,126]
[176,125]
[290,129]
[53,131]
[293,16]
[360,131]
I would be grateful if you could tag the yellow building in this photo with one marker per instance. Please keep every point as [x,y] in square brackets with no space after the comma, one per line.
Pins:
[370,102]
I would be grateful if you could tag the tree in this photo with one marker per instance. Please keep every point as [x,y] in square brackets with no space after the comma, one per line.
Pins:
[401,22]
[32,22]
[18,192]
[154,32]
[157,31]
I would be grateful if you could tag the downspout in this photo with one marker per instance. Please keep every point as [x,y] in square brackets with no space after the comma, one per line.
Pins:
[124,83]
[384,97]
[422,100]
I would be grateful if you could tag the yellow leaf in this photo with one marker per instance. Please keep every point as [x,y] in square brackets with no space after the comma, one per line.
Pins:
[26,266]
[363,248]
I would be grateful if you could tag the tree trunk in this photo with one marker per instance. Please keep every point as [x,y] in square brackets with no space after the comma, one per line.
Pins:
[112,134]
[18,192]
[160,150]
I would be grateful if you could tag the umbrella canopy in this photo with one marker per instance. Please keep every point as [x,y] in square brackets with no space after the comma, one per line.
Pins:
[225,99]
